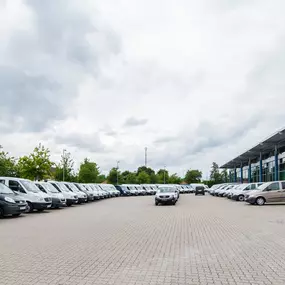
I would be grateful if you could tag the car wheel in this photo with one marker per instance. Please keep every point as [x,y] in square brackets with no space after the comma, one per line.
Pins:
[1,213]
[241,198]
[156,203]
[30,207]
[16,215]
[173,203]
[260,201]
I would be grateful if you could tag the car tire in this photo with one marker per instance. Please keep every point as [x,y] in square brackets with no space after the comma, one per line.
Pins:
[16,215]
[260,201]
[241,198]
[1,213]
[174,203]
[30,207]
[156,203]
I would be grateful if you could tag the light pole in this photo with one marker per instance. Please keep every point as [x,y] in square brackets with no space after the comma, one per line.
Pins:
[63,167]
[118,172]
[164,174]
[145,156]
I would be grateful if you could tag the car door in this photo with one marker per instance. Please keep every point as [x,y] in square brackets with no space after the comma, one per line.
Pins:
[273,192]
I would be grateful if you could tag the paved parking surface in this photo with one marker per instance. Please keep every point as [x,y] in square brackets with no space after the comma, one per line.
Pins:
[201,240]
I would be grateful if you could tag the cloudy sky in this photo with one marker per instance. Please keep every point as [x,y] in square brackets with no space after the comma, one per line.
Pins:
[194,81]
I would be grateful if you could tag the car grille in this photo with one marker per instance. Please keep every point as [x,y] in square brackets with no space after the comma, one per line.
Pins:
[48,199]
[21,202]
[165,196]
[62,200]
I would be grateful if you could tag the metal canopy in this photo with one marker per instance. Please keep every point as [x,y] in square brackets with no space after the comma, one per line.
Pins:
[265,148]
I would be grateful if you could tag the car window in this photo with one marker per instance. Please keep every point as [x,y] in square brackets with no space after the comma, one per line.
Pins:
[253,186]
[2,181]
[283,185]
[273,186]
[55,185]
[41,188]
[16,186]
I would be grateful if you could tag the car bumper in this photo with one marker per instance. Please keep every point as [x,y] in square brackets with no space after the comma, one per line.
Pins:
[58,203]
[42,206]
[234,197]
[165,200]
[82,200]
[71,201]
[12,209]
[250,200]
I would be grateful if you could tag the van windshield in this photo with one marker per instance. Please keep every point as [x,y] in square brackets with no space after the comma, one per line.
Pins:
[30,186]
[5,190]
[50,188]
[166,189]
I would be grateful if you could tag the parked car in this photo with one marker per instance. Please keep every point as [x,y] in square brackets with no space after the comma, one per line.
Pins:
[239,192]
[36,199]
[71,198]
[123,190]
[58,200]
[82,197]
[270,192]
[133,190]
[166,195]
[147,189]
[90,194]
[11,204]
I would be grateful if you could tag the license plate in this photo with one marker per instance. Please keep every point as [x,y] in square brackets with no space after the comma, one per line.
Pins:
[22,208]
[48,206]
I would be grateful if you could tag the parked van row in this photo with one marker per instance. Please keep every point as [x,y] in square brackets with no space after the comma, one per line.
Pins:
[19,195]
[151,189]
[252,193]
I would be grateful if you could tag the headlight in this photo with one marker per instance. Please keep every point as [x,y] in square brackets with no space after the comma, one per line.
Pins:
[41,199]
[10,200]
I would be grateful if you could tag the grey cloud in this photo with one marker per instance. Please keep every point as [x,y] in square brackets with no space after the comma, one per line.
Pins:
[134,122]
[26,96]
[165,139]
[87,142]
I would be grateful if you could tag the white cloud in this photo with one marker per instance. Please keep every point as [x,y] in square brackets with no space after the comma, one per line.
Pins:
[201,79]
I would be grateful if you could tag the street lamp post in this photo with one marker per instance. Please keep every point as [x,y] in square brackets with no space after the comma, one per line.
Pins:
[63,167]
[118,172]
[164,175]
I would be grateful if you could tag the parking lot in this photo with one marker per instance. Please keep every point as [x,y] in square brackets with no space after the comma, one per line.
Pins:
[127,240]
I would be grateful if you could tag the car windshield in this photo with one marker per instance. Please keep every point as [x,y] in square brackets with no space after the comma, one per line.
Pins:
[5,190]
[72,187]
[263,186]
[62,187]
[166,189]
[30,186]
[50,188]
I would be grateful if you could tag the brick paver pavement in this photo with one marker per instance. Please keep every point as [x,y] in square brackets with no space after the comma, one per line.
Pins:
[201,240]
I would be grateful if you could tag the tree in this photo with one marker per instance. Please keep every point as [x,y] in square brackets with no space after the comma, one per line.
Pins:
[193,176]
[8,165]
[65,164]
[215,175]
[143,177]
[174,179]
[114,175]
[131,178]
[37,165]
[101,178]
[88,172]
[162,176]
[225,176]
[145,169]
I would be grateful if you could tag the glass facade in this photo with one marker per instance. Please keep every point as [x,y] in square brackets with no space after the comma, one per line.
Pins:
[268,171]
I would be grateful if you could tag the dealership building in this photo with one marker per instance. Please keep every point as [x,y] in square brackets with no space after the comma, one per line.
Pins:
[264,162]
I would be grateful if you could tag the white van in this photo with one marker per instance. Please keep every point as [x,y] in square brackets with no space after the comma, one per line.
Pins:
[58,199]
[71,198]
[36,199]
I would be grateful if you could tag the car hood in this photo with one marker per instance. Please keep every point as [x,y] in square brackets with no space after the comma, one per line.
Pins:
[15,197]
[40,195]
[165,194]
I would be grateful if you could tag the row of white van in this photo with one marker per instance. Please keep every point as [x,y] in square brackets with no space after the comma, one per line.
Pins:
[22,195]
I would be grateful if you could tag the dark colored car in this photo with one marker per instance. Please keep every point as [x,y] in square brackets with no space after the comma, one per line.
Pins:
[123,190]
[200,190]
[11,204]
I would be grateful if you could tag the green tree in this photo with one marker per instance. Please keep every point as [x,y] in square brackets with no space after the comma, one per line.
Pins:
[174,179]
[37,165]
[193,176]
[101,178]
[162,176]
[143,178]
[114,175]
[88,172]
[225,175]
[65,164]
[215,175]
[145,169]
[8,165]
[131,178]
